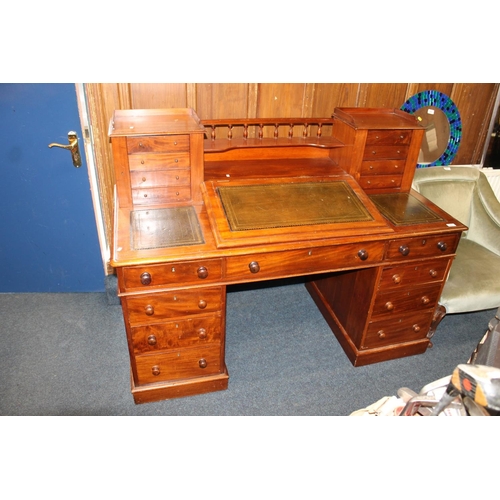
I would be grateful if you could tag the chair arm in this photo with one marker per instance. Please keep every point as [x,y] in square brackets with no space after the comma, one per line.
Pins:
[484,226]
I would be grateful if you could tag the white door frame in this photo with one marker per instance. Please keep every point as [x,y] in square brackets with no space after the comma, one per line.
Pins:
[92,173]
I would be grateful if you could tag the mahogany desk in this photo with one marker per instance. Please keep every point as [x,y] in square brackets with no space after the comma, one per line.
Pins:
[195,213]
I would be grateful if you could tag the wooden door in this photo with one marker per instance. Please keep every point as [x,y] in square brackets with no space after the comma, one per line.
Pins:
[48,239]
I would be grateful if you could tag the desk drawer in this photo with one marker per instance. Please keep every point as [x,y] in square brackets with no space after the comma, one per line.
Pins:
[382,167]
[175,274]
[158,144]
[373,152]
[432,246]
[408,274]
[398,301]
[157,196]
[178,364]
[388,137]
[158,161]
[301,262]
[190,332]
[403,328]
[380,181]
[157,307]
[160,178]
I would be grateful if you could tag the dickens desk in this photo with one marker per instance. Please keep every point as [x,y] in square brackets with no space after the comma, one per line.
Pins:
[202,205]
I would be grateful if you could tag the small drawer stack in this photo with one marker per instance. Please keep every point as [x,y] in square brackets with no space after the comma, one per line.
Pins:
[382,147]
[159,169]
[158,156]
[384,159]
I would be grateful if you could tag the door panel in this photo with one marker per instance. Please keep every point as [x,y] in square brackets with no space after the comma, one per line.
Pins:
[48,240]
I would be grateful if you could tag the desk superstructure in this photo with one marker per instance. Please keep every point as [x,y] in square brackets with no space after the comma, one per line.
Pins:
[195,212]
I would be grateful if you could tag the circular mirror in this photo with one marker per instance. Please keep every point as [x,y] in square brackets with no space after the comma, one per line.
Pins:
[440,118]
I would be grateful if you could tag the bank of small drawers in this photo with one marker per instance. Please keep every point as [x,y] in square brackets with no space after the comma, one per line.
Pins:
[384,158]
[159,169]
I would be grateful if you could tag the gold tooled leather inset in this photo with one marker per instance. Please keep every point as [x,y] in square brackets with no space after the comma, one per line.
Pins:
[403,209]
[268,206]
[165,227]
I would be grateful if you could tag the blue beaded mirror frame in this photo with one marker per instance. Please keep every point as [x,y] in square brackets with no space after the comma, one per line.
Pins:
[447,106]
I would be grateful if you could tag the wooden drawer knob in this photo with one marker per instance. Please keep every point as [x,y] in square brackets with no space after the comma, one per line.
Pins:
[152,340]
[149,310]
[404,250]
[396,278]
[202,363]
[363,254]
[202,272]
[442,246]
[425,300]
[416,328]
[145,278]
[155,370]
[389,306]
[254,267]
[433,273]
[202,333]
[381,334]
[202,304]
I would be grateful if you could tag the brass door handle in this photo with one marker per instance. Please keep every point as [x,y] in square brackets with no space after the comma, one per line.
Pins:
[72,146]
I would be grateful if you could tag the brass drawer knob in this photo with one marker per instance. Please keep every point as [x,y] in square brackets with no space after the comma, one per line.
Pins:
[146,279]
[381,334]
[425,300]
[202,272]
[202,304]
[396,278]
[155,370]
[389,306]
[152,340]
[254,267]
[149,310]
[442,246]
[202,363]
[202,333]
[404,250]
[363,254]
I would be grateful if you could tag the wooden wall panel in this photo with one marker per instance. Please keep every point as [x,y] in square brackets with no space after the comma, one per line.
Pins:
[328,96]
[222,100]
[158,95]
[382,95]
[473,102]
[252,100]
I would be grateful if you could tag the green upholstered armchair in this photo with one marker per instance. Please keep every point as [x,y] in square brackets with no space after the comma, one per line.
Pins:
[465,193]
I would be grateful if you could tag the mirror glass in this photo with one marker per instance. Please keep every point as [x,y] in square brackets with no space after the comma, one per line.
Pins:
[439,116]
[436,136]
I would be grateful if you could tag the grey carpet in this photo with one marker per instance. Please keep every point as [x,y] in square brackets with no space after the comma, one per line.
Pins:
[66,354]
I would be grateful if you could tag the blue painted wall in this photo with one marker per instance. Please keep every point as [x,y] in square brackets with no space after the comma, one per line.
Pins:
[48,236]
